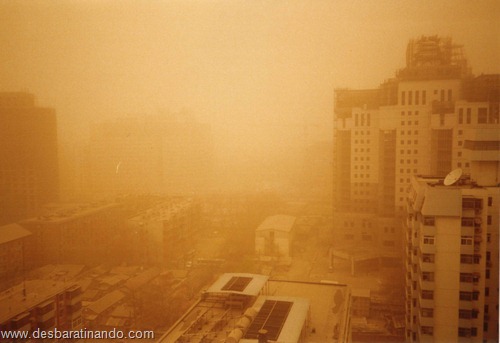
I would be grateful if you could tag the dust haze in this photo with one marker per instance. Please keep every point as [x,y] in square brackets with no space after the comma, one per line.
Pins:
[157,155]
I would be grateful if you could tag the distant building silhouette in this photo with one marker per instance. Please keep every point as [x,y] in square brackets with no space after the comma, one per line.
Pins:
[153,155]
[29,174]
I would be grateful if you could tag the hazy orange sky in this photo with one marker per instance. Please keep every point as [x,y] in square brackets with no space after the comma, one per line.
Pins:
[243,66]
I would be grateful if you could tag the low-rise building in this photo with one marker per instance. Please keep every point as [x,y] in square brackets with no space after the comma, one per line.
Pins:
[274,237]
[250,308]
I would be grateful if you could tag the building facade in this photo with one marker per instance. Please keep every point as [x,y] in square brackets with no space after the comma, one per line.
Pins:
[29,175]
[413,123]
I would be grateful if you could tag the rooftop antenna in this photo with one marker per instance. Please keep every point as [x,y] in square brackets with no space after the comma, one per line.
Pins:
[453,177]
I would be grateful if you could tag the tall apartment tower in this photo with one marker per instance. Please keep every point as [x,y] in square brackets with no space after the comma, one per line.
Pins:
[452,227]
[413,123]
[29,174]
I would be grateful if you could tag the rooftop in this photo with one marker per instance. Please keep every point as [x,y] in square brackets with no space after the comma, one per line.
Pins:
[284,309]
[239,283]
[163,211]
[60,212]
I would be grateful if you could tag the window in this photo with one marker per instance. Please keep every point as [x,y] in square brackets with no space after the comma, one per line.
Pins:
[427,330]
[410,97]
[466,277]
[417,97]
[442,94]
[464,332]
[466,259]
[426,294]
[467,221]
[430,221]
[466,296]
[490,201]
[482,115]
[428,276]
[489,220]
[424,99]
[465,314]
[469,116]
[403,98]
[449,95]
[466,240]
[428,258]
[461,116]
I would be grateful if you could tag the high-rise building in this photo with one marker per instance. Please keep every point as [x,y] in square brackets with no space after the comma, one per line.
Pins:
[156,155]
[28,156]
[452,227]
[413,123]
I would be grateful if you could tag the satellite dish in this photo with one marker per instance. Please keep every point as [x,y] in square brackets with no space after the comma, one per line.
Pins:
[452,177]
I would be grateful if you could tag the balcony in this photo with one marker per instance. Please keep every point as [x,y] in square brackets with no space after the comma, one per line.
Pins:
[425,321]
[467,249]
[428,230]
[428,303]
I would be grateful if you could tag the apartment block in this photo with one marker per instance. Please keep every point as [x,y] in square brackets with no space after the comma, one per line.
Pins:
[86,233]
[164,233]
[452,255]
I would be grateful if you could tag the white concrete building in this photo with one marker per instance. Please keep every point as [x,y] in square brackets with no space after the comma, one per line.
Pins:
[452,250]
[274,237]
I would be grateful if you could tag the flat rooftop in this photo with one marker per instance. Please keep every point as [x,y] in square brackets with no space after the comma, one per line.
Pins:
[283,308]
[60,212]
